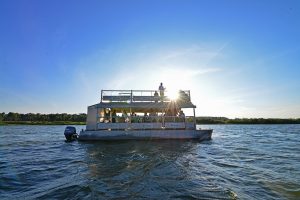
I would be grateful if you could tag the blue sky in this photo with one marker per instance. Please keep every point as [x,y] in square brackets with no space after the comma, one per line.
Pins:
[238,58]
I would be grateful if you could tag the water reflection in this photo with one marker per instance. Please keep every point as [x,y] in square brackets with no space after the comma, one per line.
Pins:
[107,159]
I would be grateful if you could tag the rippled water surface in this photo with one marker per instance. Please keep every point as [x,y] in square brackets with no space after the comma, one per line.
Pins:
[240,162]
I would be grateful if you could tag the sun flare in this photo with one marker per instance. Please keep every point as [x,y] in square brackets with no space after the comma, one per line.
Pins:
[172,94]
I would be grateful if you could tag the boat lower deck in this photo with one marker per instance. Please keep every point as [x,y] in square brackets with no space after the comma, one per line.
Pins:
[202,134]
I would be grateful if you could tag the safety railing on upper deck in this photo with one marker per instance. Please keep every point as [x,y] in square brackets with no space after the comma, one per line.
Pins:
[141,96]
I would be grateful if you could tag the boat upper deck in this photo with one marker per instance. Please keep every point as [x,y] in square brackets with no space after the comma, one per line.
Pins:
[143,99]
[130,96]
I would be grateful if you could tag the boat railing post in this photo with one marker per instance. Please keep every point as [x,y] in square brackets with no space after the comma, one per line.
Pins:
[131,96]
[101,96]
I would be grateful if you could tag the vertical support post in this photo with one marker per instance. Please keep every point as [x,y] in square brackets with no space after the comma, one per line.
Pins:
[194,119]
[131,96]
[130,115]
[162,118]
[96,118]
[101,96]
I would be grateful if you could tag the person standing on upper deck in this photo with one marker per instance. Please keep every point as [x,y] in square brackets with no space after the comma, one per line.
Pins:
[156,97]
[161,89]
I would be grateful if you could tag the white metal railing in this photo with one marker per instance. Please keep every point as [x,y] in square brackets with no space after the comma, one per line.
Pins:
[140,96]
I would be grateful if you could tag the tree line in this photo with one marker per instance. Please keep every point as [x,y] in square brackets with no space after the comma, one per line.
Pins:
[38,117]
[224,120]
[81,118]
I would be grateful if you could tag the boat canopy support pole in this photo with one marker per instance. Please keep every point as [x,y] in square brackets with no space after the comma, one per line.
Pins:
[130,115]
[97,117]
[194,118]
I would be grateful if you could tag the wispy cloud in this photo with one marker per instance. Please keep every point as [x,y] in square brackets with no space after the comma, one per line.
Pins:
[203,53]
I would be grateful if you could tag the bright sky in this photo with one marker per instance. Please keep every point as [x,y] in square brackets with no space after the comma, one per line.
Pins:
[238,58]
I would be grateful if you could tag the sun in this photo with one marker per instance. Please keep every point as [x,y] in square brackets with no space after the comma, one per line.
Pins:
[172,94]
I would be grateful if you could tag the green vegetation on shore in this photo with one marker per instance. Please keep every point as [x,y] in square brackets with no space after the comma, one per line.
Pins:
[224,120]
[41,123]
[42,119]
[80,119]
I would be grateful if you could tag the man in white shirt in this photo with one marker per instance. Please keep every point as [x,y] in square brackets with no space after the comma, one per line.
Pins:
[161,90]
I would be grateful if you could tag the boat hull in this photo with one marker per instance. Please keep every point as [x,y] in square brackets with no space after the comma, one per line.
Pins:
[202,134]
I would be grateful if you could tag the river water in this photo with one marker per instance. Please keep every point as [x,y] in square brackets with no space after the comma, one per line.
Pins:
[240,162]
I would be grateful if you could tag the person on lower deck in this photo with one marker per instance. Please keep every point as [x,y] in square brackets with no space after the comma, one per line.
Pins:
[124,117]
[145,117]
[114,116]
[181,115]
[107,115]
[152,115]
[134,118]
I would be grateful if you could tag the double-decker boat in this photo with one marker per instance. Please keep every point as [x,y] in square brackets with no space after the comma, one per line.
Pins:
[142,114]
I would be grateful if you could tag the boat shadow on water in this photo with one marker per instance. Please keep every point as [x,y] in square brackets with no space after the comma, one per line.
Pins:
[101,155]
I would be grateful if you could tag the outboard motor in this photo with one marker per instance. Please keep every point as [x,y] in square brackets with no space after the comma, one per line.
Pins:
[70,133]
